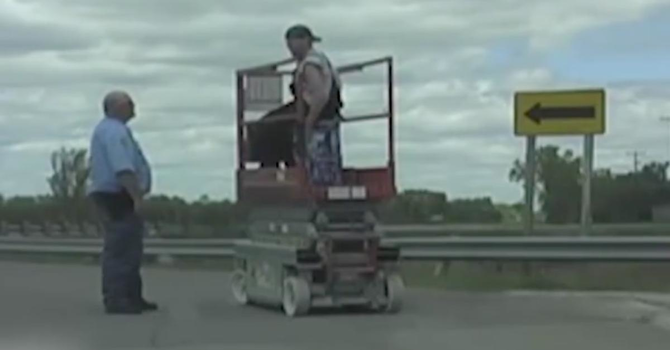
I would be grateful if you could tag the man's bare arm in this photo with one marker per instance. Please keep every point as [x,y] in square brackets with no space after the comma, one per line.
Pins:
[317,90]
[129,181]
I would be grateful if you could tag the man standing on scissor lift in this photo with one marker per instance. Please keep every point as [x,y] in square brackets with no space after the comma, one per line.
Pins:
[319,87]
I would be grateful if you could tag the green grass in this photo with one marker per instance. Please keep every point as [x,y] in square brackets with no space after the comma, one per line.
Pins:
[540,276]
[468,276]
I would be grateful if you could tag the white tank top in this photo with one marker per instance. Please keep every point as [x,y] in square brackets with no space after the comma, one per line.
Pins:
[320,60]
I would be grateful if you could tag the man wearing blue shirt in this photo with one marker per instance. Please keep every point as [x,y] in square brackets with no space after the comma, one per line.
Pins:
[120,178]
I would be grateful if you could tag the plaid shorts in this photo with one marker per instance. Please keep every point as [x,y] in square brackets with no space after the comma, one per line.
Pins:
[324,157]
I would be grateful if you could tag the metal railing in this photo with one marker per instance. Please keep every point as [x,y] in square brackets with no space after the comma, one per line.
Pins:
[49,230]
[614,249]
[88,230]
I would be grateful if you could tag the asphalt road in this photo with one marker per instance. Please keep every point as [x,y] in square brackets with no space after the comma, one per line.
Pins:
[57,307]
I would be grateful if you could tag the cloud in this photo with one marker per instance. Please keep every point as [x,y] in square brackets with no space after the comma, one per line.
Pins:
[23,31]
[457,66]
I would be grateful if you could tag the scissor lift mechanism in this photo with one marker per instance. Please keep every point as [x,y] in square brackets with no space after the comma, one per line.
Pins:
[312,245]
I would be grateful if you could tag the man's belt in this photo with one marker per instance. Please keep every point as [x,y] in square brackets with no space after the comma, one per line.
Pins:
[115,205]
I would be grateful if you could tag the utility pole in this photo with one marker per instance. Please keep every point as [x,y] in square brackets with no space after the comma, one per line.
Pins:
[636,160]
[666,119]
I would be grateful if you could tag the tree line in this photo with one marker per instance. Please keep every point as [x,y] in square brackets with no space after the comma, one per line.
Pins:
[627,197]
[67,202]
[616,198]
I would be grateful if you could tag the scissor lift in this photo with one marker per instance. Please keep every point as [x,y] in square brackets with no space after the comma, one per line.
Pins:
[309,245]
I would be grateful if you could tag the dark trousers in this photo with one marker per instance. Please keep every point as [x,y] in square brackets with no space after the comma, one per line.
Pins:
[122,259]
[123,247]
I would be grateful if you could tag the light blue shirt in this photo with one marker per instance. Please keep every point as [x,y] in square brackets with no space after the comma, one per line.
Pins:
[113,150]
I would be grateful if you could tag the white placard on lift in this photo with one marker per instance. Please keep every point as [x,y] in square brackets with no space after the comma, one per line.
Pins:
[263,92]
[359,192]
[347,192]
[339,192]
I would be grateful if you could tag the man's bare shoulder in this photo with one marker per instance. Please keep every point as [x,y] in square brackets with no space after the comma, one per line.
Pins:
[314,59]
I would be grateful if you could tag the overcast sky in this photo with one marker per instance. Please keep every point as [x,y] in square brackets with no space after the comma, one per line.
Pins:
[458,65]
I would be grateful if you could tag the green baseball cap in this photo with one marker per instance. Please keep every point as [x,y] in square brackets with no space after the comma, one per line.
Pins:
[300,31]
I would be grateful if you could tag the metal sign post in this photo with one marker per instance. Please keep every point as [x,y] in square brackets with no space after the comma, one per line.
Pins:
[587,167]
[529,214]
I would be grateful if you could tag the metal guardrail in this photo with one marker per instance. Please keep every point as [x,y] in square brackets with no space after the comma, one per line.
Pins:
[89,230]
[615,249]
[577,249]
[165,230]
[503,230]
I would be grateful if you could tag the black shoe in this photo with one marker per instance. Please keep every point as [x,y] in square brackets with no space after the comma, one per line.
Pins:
[148,306]
[123,309]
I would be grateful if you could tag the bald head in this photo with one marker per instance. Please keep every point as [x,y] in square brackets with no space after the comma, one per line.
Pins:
[119,105]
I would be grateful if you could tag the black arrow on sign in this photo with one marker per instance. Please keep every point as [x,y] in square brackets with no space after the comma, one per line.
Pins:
[538,113]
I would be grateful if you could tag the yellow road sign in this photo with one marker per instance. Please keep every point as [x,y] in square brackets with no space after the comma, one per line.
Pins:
[575,112]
